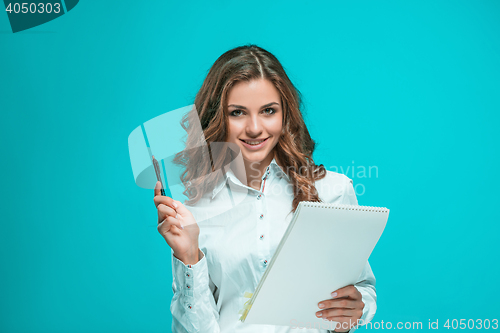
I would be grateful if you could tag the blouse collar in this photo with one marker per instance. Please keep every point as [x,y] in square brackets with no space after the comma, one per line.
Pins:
[230,175]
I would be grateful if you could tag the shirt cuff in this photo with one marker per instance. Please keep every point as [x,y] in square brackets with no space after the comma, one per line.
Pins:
[191,279]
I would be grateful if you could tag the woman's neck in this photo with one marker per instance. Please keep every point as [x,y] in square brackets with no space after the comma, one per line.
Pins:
[255,171]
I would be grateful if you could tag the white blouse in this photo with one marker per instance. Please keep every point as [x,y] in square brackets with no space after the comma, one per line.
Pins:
[240,229]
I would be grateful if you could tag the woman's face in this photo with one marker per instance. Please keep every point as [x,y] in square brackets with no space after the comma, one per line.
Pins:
[255,114]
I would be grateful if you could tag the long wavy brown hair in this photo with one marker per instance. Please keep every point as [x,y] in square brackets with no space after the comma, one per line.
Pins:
[294,149]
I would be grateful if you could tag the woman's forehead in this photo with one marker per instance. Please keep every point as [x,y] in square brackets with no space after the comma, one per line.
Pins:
[255,93]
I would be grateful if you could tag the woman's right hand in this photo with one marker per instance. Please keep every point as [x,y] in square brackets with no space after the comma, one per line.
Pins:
[177,225]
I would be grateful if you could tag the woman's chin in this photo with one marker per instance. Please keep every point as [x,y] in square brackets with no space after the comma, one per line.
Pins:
[256,157]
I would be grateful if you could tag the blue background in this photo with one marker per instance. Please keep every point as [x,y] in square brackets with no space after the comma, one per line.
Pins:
[410,87]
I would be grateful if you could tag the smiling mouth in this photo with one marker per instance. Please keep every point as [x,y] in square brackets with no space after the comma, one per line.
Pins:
[254,142]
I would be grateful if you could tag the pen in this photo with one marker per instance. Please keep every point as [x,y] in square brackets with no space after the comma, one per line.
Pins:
[157,171]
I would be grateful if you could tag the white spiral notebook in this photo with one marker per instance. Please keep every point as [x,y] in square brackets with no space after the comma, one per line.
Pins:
[324,248]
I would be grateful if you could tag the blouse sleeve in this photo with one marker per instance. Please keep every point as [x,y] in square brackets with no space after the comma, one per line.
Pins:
[193,304]
[366,281]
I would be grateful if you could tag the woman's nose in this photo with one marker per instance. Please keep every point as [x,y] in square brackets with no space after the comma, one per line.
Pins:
[254,126]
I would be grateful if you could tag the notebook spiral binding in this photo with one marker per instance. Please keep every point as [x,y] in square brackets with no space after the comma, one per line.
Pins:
[345,207]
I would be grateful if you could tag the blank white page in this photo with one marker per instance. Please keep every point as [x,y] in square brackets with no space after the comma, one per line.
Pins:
[325,248]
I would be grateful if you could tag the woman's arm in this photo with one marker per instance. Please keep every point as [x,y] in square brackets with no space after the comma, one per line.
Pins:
[193,305]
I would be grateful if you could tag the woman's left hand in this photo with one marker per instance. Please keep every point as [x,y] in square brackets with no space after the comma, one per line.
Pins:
[345,307]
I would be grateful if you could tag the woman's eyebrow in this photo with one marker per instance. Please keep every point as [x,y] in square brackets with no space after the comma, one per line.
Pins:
[242,107]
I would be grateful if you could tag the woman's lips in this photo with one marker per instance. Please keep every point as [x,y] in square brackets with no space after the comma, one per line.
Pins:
[255,147]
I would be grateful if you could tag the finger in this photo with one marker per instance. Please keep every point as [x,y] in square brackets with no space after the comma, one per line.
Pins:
[338,303]
[169,223]
[336,313]
[175,222]
[157,188]
[164,211]
[161,199]
[347,291]
[180,208]
[353,319]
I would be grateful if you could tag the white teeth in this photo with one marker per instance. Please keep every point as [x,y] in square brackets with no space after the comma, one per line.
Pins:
[254,143]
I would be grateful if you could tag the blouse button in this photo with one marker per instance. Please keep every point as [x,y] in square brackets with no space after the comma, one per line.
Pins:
[188,286]
[261,236]
[189,306]
[261,216]
[188,275]
[259,196]
[264,262]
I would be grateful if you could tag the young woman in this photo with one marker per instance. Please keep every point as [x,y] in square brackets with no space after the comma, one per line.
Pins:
[225,234]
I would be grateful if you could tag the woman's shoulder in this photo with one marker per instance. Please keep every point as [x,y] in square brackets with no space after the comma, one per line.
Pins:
[333,186]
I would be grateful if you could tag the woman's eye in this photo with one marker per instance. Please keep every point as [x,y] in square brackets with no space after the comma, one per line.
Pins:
[237,113]
[232,113]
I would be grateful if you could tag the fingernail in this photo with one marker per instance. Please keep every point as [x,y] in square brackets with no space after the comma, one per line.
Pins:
[182,227]
[321,305]
[157,186]
[319,314]
[175,205]
[334,294]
